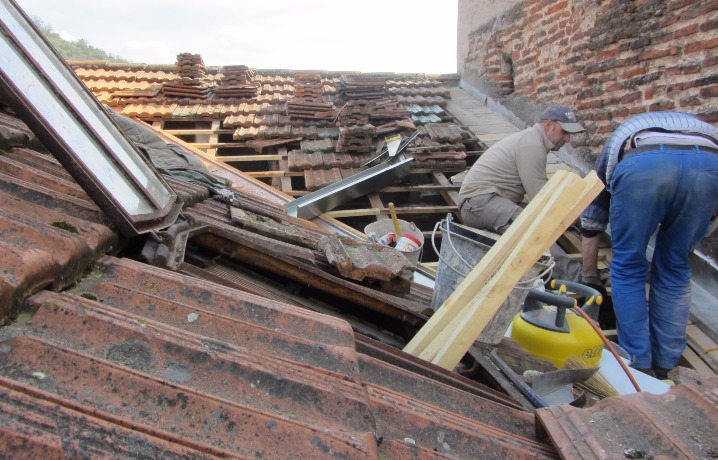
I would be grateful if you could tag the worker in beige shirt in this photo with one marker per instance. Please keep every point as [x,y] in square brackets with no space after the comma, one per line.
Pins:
[494,187]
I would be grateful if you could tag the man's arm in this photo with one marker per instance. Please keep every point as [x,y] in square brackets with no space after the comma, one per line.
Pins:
[531,165]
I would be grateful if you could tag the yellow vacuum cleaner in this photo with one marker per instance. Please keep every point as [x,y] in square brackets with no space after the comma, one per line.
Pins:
[550,329]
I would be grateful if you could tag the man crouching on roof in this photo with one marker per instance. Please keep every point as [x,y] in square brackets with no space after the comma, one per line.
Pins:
[513,167]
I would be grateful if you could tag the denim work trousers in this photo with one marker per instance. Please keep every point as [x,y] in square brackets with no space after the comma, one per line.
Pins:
[676,192]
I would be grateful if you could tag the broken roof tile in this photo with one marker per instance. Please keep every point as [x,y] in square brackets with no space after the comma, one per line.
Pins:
[357,260]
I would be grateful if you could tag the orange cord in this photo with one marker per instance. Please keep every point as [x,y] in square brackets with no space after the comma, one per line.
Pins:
[610,347]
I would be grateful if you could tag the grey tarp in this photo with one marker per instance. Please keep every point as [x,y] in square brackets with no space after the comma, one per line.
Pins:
[168,158]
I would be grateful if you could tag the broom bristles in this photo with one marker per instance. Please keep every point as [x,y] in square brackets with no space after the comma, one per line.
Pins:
[596,384]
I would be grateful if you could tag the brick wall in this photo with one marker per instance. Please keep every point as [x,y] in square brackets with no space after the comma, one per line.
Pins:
[608,59]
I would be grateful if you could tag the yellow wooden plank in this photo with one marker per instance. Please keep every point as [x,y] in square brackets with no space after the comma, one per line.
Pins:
[452,343]
[563,209]
[483,270]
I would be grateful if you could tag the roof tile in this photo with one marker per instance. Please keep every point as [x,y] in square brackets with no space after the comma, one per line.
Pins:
[43,247]
[677,424]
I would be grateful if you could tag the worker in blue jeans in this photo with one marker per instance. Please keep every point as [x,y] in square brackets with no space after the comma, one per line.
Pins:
[661,172]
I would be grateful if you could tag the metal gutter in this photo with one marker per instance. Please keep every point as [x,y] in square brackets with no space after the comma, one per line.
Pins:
[330,197]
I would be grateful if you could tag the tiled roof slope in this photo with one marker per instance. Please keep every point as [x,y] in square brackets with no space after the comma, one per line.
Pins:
[111,357]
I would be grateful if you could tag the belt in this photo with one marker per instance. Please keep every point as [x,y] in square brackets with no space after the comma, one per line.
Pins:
[660,147]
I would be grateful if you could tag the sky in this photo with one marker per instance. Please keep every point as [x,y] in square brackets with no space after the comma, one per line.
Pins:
[403,36]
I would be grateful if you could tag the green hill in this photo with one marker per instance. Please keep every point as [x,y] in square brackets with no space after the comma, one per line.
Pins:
[78,50]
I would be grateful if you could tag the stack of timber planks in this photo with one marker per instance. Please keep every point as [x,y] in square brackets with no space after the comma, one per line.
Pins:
[451,331]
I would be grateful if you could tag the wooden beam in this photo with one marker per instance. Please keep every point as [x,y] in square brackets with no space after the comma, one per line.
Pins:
[257,174]
[378,211]
[353,213]
[375,201]
[450,332]
[188,132]
[217,145]
[226,158]
[213,138]
[452,343]
[482,286]
[703,345]
[431,171]
[286,181]
[451,197]
[419,188]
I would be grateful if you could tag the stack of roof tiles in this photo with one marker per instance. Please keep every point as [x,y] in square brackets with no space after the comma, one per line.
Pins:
[308,87]
[190,83]
[308,101]
[290,105]
[389,109]
[364,86]
[356,138]
[237,81]
[356,133]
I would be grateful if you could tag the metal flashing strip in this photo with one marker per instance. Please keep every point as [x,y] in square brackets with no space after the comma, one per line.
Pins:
[360,184]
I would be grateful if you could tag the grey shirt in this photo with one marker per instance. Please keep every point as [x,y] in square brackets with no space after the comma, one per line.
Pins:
[513,167]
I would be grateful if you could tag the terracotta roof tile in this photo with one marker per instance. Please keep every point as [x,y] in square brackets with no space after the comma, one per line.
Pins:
[320,145]
[423,428]
[677,424]
[43,247]
[319,178]
[41,425]
[358,260]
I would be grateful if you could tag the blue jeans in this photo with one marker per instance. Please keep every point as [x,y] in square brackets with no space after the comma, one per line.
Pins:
[676,192]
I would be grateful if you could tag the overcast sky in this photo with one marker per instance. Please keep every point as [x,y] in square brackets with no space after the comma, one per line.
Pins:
[365,35]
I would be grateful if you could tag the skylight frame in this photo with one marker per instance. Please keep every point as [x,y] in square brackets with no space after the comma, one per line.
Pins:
[78,131]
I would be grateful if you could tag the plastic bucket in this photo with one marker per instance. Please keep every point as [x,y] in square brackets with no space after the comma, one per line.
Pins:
[412,236]
[460,242]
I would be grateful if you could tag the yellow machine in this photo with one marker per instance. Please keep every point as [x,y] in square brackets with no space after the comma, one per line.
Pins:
[550,329]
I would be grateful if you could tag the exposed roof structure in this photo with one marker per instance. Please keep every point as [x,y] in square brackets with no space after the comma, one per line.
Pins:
[302,131]
[271,336]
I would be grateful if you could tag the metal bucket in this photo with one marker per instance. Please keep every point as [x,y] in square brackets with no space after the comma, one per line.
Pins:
[376,230]
[461,250]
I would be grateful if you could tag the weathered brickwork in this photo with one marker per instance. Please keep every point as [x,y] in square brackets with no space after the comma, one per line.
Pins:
[609,59]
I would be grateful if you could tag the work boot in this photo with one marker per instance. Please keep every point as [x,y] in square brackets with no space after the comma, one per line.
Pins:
[647,371]
[661,374]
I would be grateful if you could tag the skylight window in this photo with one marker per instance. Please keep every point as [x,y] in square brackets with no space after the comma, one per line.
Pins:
[78,131]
